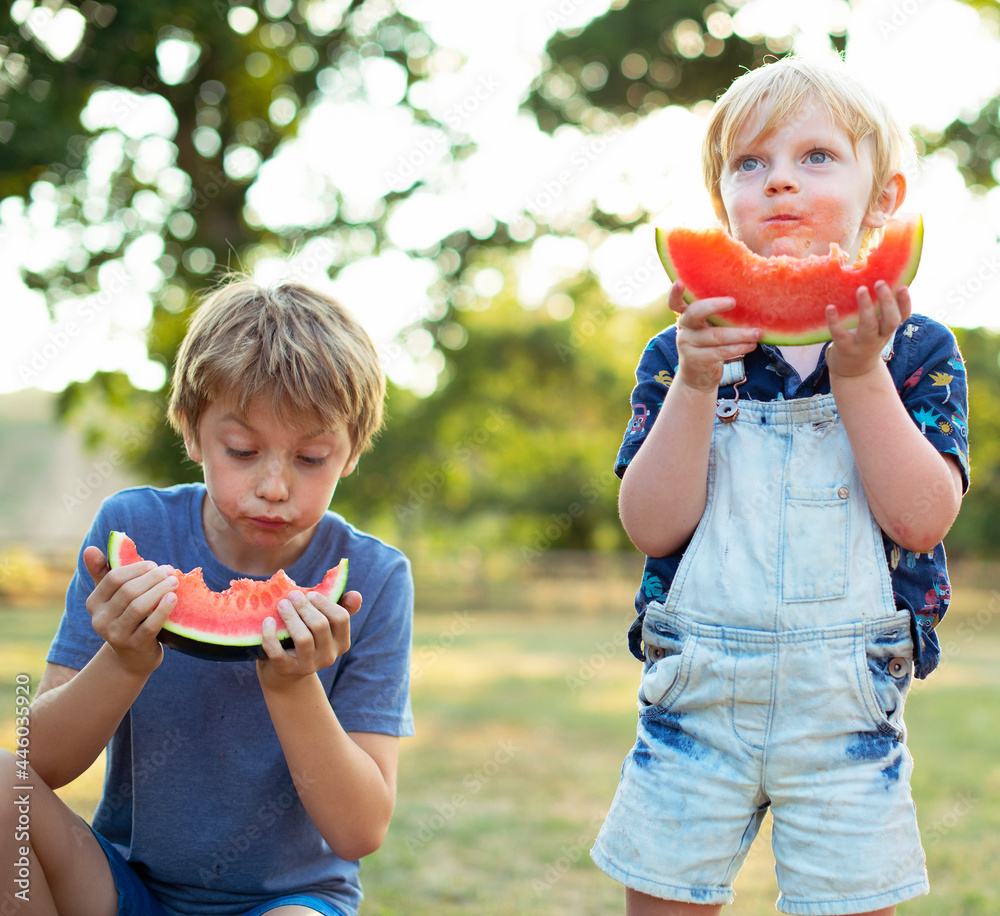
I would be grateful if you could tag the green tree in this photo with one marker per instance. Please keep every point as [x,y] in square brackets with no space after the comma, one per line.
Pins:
[220,86]
[977,530]
[517,449]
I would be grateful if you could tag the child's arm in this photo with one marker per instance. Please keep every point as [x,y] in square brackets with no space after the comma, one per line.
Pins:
[75,713]
[913,490]
[664,488]
[345,780]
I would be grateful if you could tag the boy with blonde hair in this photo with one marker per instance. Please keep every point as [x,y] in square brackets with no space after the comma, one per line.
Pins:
[249,787]
[794,571]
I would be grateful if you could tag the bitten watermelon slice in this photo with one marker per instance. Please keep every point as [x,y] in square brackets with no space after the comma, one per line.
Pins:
[786,297]
[224,626]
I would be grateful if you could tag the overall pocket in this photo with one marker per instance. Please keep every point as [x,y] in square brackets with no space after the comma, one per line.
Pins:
[886,675]
[667,656]
[814,552]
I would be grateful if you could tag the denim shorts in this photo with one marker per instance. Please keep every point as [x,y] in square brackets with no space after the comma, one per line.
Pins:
[135,899]
[713,754]
[776,671]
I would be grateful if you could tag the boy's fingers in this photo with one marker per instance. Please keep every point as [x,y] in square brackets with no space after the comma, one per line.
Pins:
[158,616]
[695,316]
[269,639]
[96,563]
[350,602]
[904,302]
[675,298]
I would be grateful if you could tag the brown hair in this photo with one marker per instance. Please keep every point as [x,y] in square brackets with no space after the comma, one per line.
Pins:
[779,90]
[296,347]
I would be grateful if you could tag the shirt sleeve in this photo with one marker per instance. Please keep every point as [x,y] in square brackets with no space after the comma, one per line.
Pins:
[371,691]
[76,641]
[932,385]
[656,370]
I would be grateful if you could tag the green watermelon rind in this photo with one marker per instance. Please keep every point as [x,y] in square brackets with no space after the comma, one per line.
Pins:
[216,646]
[818,334]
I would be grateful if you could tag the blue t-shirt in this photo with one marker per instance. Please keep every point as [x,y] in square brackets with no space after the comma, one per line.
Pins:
[197,795]
[929,374]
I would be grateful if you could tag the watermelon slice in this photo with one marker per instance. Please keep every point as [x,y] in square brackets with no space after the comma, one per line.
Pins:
[786,297]
[224,626]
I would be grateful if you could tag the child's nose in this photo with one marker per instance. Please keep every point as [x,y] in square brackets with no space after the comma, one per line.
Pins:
[781,180]
[272,484]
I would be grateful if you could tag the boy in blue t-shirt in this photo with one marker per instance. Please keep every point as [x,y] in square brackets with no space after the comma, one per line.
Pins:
[791,502]
[247,787]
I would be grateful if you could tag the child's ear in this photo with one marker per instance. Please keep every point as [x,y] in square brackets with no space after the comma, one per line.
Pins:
[888,202]
[191,445]
[350,466]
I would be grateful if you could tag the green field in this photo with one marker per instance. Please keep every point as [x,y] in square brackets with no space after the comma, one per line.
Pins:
[523,721]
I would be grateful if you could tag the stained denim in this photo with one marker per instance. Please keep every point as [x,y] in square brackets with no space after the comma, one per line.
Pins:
[776,671]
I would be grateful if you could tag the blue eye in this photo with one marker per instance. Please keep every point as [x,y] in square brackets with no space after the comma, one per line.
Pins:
[747,165]
[818,157]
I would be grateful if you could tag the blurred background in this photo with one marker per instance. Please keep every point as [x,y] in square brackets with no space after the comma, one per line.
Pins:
[478,182]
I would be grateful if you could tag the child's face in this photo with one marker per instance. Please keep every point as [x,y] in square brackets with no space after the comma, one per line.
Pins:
[268,484]
[798,188]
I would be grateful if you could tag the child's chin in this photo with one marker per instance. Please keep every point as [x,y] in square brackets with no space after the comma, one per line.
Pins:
[792,247]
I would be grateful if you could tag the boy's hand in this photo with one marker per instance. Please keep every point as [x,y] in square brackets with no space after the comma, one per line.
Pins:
[320,630]
[857,352]
[128,607]
[702,348]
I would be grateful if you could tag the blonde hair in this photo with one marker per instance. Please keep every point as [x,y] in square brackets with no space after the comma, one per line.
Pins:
[781,89]
[299,349]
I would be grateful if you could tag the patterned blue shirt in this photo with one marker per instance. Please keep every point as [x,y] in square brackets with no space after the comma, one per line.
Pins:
[929,374]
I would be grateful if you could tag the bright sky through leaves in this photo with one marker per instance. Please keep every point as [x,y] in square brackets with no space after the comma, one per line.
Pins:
[518,175]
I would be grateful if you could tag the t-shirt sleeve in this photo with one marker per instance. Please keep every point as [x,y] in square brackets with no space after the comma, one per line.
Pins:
[932,385]
[653,375]
[371,692]
[76,642]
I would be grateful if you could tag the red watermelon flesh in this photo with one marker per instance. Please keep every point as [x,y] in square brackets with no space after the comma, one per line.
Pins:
[786,297]
[224,625]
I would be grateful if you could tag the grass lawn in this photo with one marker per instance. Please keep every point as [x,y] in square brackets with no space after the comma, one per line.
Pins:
[523,722]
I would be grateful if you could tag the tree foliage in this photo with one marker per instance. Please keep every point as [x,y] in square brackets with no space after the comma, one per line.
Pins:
[643,55]
[147,135]
[516,445]
[517,449]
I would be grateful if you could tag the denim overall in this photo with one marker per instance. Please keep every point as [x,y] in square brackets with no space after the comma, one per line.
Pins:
[776,670]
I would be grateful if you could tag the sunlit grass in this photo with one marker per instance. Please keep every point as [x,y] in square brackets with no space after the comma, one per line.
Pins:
[522,725]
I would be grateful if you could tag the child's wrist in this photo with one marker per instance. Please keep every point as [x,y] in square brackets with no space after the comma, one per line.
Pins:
[866,375]
[699,386]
